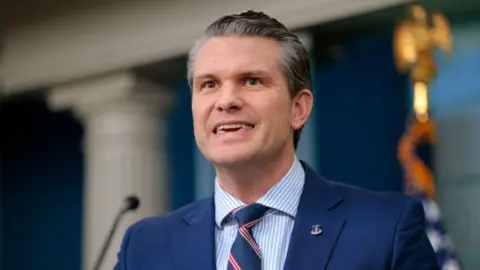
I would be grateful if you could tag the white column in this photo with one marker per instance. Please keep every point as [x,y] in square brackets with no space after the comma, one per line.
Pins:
[124,154]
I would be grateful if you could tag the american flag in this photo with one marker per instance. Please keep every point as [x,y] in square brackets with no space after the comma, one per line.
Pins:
[419,183]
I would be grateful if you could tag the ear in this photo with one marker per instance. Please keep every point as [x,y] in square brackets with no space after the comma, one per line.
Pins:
[301,108]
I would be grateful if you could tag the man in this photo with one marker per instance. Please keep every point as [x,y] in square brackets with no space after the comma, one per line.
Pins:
[250,84]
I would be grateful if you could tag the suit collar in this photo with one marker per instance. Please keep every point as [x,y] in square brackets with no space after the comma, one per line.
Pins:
[291,183]
[199,212]
[318,190]
[320,204]
[194,241]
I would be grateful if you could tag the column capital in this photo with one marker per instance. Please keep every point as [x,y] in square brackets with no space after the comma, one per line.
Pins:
[113,91]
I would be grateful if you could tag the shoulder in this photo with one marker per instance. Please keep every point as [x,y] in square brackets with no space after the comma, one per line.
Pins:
[148,241]
[368,196]
[166,222]
[157,230]
[360,202]
[376,205]
[393,224]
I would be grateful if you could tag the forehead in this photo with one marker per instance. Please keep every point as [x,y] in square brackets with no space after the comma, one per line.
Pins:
[222,55]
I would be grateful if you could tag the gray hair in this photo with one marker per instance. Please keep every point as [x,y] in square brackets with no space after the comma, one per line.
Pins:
[293,60]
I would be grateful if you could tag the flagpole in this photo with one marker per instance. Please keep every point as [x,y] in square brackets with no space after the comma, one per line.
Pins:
[415,39]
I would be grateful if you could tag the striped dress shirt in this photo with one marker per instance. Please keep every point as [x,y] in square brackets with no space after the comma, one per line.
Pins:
[272,233]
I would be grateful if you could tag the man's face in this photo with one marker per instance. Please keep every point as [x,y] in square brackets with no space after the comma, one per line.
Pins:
[241,106]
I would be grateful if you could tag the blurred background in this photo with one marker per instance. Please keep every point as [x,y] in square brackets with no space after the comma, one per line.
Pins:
[94,106]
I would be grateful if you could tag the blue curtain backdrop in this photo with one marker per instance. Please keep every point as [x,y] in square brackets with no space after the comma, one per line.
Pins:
[41,186]
[361,115]
[180,148]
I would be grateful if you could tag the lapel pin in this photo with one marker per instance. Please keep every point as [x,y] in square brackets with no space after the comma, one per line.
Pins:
[316,230]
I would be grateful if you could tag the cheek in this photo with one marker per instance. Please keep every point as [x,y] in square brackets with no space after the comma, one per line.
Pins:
[277,114]
[198,115]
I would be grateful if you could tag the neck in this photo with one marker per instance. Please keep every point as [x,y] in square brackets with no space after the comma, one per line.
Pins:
[249,182]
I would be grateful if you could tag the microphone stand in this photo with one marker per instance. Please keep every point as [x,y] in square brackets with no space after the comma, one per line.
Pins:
[131,203]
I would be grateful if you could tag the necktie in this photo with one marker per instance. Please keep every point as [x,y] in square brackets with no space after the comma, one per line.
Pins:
[245,253]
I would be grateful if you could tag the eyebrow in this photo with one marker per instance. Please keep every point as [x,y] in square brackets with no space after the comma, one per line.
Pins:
[255,73]
[205,76]
[249,73]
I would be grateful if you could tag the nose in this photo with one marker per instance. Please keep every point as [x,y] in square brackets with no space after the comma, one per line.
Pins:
[229,99]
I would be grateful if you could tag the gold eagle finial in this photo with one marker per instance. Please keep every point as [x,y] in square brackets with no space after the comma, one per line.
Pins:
[415,39]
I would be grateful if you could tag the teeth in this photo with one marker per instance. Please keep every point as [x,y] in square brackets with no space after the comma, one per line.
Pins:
[233,126]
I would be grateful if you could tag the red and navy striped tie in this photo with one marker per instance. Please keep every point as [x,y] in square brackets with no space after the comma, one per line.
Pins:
[245,253]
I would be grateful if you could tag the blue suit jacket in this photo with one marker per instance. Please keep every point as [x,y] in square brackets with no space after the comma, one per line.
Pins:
[361,230]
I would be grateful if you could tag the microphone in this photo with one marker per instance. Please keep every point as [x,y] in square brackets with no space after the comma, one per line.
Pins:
[131,203]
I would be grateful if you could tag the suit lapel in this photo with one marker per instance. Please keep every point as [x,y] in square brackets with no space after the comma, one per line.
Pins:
[194,243]
[319,205]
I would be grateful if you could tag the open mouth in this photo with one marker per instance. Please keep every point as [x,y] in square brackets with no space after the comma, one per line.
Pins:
[229,128]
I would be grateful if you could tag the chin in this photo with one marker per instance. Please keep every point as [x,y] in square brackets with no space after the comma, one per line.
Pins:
[228,157]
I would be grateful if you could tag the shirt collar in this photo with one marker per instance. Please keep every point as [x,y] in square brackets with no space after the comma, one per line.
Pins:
[283,196]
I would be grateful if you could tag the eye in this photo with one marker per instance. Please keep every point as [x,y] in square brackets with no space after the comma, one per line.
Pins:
[209,84]
[252,81]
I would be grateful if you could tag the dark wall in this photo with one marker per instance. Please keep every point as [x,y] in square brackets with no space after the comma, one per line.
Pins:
[180,148]
[361,114]
[41,187]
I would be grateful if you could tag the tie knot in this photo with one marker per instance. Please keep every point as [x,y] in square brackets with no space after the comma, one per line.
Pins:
[250,214]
